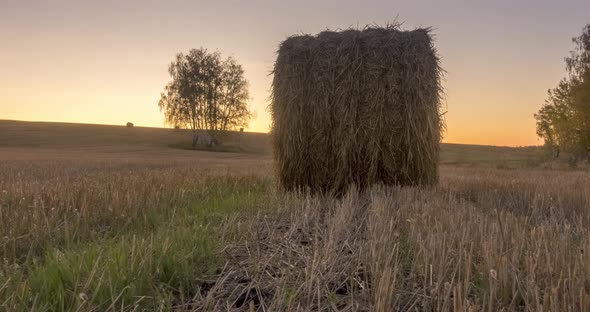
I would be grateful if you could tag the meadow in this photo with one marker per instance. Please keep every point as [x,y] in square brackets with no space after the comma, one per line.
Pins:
[105,218]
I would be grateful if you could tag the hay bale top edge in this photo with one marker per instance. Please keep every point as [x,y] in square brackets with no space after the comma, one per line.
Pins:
[335,36]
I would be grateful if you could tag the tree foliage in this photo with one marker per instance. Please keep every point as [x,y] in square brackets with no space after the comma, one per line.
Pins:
[206,93]
[564,120]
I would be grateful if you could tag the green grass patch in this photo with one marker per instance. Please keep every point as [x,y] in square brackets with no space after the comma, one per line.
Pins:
[152,264]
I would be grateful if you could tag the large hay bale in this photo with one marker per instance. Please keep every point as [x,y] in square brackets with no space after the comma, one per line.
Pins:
[356,107]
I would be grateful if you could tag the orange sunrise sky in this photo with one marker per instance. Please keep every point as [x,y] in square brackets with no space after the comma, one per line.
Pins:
[106,62]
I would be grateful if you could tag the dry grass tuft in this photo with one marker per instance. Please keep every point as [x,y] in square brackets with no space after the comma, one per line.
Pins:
[357,107]
[410,249]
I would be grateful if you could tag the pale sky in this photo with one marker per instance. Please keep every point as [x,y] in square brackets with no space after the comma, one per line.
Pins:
[106,61]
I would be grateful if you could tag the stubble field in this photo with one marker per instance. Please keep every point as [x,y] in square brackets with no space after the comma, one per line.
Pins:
[99,218]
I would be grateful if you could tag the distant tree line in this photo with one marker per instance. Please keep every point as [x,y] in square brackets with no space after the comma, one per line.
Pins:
[206,93]
[564,120]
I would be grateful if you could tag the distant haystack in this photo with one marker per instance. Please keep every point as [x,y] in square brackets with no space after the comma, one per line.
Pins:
[129,125]
[356,107]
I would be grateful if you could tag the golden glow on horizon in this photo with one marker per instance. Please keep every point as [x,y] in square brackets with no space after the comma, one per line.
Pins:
[482,111]
[475,115]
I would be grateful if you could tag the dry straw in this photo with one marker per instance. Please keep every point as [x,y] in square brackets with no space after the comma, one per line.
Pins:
[357,107]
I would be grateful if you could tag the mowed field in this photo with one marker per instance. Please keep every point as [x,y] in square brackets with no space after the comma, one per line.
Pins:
[106,218]
[45,141]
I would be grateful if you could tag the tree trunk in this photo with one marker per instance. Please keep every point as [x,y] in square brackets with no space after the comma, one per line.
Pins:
[195,139]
